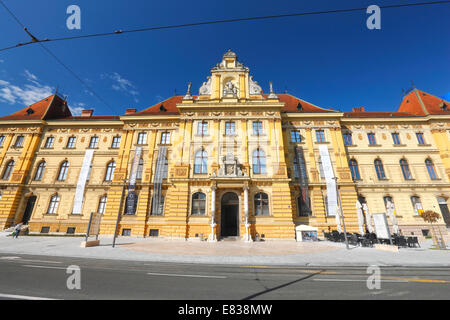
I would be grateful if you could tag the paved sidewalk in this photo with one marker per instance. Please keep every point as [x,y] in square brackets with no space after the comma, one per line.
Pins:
[321,253]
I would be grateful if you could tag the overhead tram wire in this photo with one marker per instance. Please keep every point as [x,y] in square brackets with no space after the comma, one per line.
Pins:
[117,32]
[35,40]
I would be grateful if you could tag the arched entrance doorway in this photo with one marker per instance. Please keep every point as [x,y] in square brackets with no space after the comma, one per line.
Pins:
[229,217]
[28,209]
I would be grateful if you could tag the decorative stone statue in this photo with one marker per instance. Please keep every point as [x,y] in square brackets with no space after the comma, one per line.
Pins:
[188,93]
[229,89]
[254,87]
[205,89]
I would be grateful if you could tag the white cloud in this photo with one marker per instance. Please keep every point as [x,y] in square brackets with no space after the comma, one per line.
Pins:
[1,60]
[77,108]
[26,94]
[121,84]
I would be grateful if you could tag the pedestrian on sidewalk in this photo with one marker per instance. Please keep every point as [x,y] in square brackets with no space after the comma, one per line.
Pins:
[17,230]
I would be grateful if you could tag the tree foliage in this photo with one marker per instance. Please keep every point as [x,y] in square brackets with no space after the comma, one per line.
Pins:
[430,216]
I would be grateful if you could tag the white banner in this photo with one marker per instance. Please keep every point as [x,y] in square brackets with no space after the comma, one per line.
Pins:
[134,167]
[79,192]
[381,225]
[331,183]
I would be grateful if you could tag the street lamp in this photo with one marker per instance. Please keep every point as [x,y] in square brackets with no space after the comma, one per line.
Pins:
[341,213]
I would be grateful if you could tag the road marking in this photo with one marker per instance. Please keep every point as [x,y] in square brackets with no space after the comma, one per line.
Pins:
[298,269]
[185,275]
[356,280]
[14,296]
[9,258]
[14,258]
[43,261]
[419,280]
[45,267]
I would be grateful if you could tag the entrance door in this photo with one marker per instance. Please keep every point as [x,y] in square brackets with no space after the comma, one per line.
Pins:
[444,210]
[229,222]
[29,209]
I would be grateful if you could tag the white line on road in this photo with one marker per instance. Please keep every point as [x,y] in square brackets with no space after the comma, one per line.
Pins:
[45,267]
[14,296]
[356,280]
[185,275]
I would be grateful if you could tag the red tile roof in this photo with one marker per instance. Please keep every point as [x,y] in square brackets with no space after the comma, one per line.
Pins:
[421,103]
[52,107]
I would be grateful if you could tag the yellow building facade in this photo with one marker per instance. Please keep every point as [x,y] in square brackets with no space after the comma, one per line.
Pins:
[231,161]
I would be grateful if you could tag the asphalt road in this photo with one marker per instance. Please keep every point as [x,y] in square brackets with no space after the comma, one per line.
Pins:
[44,277]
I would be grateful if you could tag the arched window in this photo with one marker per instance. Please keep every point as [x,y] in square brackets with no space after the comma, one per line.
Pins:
[8,170]
[110,171]
[430,168]
[201,162]
[102,204]
[354,169]
[417,205]
[54,202]
[379,169]
[198,203]
[259,161]
[63,171]
[39,171]
[140,169]
[261,204]
[405,169]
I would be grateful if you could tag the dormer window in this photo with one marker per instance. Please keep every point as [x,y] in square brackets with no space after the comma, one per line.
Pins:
[30,111]
[162,108]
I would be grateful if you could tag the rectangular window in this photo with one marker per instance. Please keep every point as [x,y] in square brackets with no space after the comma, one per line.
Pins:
[348,139]
[420,138]
[71,143]
[202,128]
[257,127]
[45,229]
[70,230]
[165,138]
[142,138]
[115,143]
[320,136]
[49,142]
[295,136]
[2,139]
[371,137]
[19,141]
[229,128]
[154,232]
[417,205]
[126,232]
[94,143]
[396,138]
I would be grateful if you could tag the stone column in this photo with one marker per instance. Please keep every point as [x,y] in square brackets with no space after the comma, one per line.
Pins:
[212,236]
[248,236]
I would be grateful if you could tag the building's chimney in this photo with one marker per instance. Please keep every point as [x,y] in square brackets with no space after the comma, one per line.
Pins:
[130,111]
[87,113]
[360,109]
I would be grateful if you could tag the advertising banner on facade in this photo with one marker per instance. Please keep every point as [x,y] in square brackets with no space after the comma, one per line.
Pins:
[381,225]
[82,178]
[331,183]
[134,168]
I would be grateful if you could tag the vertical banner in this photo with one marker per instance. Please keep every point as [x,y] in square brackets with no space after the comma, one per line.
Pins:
[134,168]
[79,192]
[303,178]
[331,183]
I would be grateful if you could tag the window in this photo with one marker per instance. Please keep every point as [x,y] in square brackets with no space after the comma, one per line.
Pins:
[2,139]
[348,139]
[94,143]
[420,138]
[320,136]
[165,138]
[8,170]
[39,171]
[71,230]
[431,170]
[19,142]
[302,207]
[71,142]
[142,138]
[386,199]
[396,138]
[115,143]
[354,169]
[49,142]
[405,169]
[159,210]
[379,169]
[202,128]
[140,169]
[261,204]
[201,162]
[63,171]
[198,203]
[229,128]
[126,232]
[102,204]
[54,202]
[154,232]
[259,162]
[110,171]
[417,205]
[45,229]
[371,137]
[295,136]
[257,127]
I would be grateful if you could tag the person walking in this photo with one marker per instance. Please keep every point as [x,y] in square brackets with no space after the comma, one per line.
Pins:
[17,230]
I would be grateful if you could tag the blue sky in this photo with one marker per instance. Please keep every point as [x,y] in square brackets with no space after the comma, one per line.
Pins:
[330,60]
